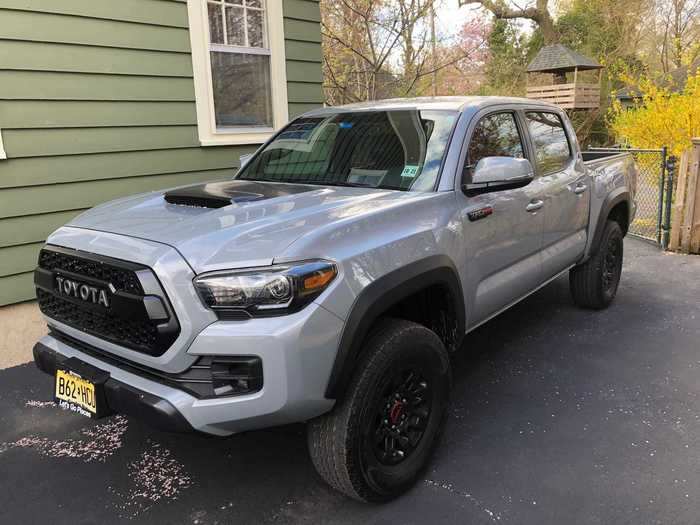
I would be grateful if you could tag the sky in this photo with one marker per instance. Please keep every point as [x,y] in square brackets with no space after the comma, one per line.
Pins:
[450,18]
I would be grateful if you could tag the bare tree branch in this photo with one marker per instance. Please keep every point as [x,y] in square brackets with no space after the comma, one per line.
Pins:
[539,14]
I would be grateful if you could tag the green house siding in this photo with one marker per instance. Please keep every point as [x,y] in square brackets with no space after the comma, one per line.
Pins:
[97,102]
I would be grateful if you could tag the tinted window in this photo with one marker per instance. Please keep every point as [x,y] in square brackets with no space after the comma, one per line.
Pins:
[495,136]
[400,150]
[552,152]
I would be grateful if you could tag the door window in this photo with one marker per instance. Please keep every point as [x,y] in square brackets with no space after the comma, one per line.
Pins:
[552,150]
[495,135]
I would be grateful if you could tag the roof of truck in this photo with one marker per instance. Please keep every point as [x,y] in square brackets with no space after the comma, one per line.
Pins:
[454,103]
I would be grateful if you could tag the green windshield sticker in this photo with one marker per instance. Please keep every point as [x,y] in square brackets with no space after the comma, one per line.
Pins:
[410,171]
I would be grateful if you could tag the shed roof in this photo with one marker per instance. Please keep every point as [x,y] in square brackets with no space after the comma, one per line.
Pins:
[674,81]
[557,57]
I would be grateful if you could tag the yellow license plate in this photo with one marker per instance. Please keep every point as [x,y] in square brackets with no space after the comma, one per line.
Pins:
[76,390]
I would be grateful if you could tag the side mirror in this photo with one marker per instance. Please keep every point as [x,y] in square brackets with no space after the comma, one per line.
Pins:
[245,158]
[499,173]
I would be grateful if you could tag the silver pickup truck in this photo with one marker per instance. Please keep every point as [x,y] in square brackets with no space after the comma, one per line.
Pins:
[332,278]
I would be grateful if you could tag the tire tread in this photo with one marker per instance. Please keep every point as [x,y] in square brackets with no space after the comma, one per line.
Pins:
[585,280]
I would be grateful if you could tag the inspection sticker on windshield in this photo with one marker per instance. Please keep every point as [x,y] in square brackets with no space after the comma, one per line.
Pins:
[410,171]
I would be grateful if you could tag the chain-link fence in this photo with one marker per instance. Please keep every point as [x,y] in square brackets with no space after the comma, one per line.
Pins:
[651,191]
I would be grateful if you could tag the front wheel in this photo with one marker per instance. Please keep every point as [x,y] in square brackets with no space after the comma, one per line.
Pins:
[376,441]
[594,283]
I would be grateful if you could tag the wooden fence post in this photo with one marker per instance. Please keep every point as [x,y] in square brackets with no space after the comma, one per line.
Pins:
[679,202]
[685,229]
[693,200]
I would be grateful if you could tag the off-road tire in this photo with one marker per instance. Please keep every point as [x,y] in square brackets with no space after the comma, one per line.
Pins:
[594,283]
[339,442]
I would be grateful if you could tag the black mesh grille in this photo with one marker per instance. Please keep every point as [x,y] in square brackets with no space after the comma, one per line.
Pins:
[126,321]
[124,280]
[141,334]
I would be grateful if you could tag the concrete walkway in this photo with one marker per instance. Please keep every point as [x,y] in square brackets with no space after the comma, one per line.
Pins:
[558,416]
[20,327]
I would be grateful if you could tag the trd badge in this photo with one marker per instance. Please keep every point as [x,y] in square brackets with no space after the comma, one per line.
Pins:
[480,213]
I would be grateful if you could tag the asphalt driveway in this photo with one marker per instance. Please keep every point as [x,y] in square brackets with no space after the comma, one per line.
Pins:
[558,416]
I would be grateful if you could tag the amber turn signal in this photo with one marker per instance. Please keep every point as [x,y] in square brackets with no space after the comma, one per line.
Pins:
[319,279]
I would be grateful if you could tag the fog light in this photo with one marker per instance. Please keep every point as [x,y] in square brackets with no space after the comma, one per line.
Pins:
[236,375]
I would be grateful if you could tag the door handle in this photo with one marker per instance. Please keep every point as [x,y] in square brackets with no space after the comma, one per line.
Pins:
[580,188]
[534,205]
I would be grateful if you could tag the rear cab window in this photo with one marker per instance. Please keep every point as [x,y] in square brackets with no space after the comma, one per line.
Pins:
[553,151]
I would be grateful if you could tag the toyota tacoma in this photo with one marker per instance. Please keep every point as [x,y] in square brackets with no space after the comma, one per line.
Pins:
[331,278]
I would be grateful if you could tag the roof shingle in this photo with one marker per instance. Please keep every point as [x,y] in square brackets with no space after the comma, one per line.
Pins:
[557,57]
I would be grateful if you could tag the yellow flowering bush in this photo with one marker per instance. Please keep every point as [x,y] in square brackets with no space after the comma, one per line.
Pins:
[659,117]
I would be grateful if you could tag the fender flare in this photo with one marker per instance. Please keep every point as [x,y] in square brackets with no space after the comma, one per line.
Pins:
[377,298]
[609,203]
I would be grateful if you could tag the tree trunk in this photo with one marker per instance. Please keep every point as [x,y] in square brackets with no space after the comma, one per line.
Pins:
[538,14]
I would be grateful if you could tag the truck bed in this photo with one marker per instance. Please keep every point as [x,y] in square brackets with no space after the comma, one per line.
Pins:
[593,158]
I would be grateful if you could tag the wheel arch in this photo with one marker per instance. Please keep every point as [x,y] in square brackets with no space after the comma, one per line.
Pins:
[379,297]
[616,205]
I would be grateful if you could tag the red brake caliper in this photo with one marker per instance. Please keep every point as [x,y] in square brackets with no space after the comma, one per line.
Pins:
[395,412]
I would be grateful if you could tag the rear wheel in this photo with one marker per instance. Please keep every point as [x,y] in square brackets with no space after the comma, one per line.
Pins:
[376,441]
[594,283]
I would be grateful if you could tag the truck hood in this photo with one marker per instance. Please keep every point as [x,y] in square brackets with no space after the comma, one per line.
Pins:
[236,224]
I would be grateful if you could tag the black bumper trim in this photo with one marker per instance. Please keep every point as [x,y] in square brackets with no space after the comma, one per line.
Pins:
[123,398]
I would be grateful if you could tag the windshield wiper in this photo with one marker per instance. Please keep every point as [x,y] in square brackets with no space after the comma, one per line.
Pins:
[330,183]
[361,185]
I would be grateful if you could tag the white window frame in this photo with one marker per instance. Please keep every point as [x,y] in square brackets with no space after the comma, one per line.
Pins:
[209,134]
[3,155]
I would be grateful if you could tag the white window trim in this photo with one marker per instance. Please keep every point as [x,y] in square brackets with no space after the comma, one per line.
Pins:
[209,135]
[3,155]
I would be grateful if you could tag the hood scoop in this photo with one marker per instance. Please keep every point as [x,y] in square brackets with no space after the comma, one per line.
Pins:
[225,193]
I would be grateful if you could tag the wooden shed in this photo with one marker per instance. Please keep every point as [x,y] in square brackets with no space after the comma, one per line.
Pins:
[564,77]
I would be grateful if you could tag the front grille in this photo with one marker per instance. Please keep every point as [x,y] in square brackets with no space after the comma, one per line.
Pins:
[127,321]
[122,279]
[137,334]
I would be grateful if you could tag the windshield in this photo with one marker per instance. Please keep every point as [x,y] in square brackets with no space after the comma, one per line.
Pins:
[400,150]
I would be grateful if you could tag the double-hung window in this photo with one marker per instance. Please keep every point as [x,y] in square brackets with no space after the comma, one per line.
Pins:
[239,69]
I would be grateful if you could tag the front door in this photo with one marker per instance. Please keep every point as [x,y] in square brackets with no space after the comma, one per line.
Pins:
[502,229]
[567,195]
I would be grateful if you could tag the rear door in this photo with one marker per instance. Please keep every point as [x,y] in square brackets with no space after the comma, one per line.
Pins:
[566,186]
[502,229]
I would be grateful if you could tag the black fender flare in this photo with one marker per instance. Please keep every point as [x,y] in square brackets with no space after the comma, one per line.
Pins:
[608,204]
[378,297]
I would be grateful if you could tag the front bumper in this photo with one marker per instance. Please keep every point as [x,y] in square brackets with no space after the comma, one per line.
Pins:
[297,353]
[121,397]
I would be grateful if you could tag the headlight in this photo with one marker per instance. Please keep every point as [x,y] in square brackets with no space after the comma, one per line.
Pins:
[266,291]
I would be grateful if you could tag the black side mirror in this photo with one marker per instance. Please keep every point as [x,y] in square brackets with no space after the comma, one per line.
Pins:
[497,174]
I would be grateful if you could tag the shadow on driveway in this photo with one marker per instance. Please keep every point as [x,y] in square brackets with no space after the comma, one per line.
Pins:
[558,415]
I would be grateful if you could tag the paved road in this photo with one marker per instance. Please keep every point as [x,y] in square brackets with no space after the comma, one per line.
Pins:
[558,416]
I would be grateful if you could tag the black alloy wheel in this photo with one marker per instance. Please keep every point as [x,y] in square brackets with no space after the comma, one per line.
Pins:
[401,417]
[612,265]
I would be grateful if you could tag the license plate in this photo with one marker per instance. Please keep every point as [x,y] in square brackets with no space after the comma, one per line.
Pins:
[76,392]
